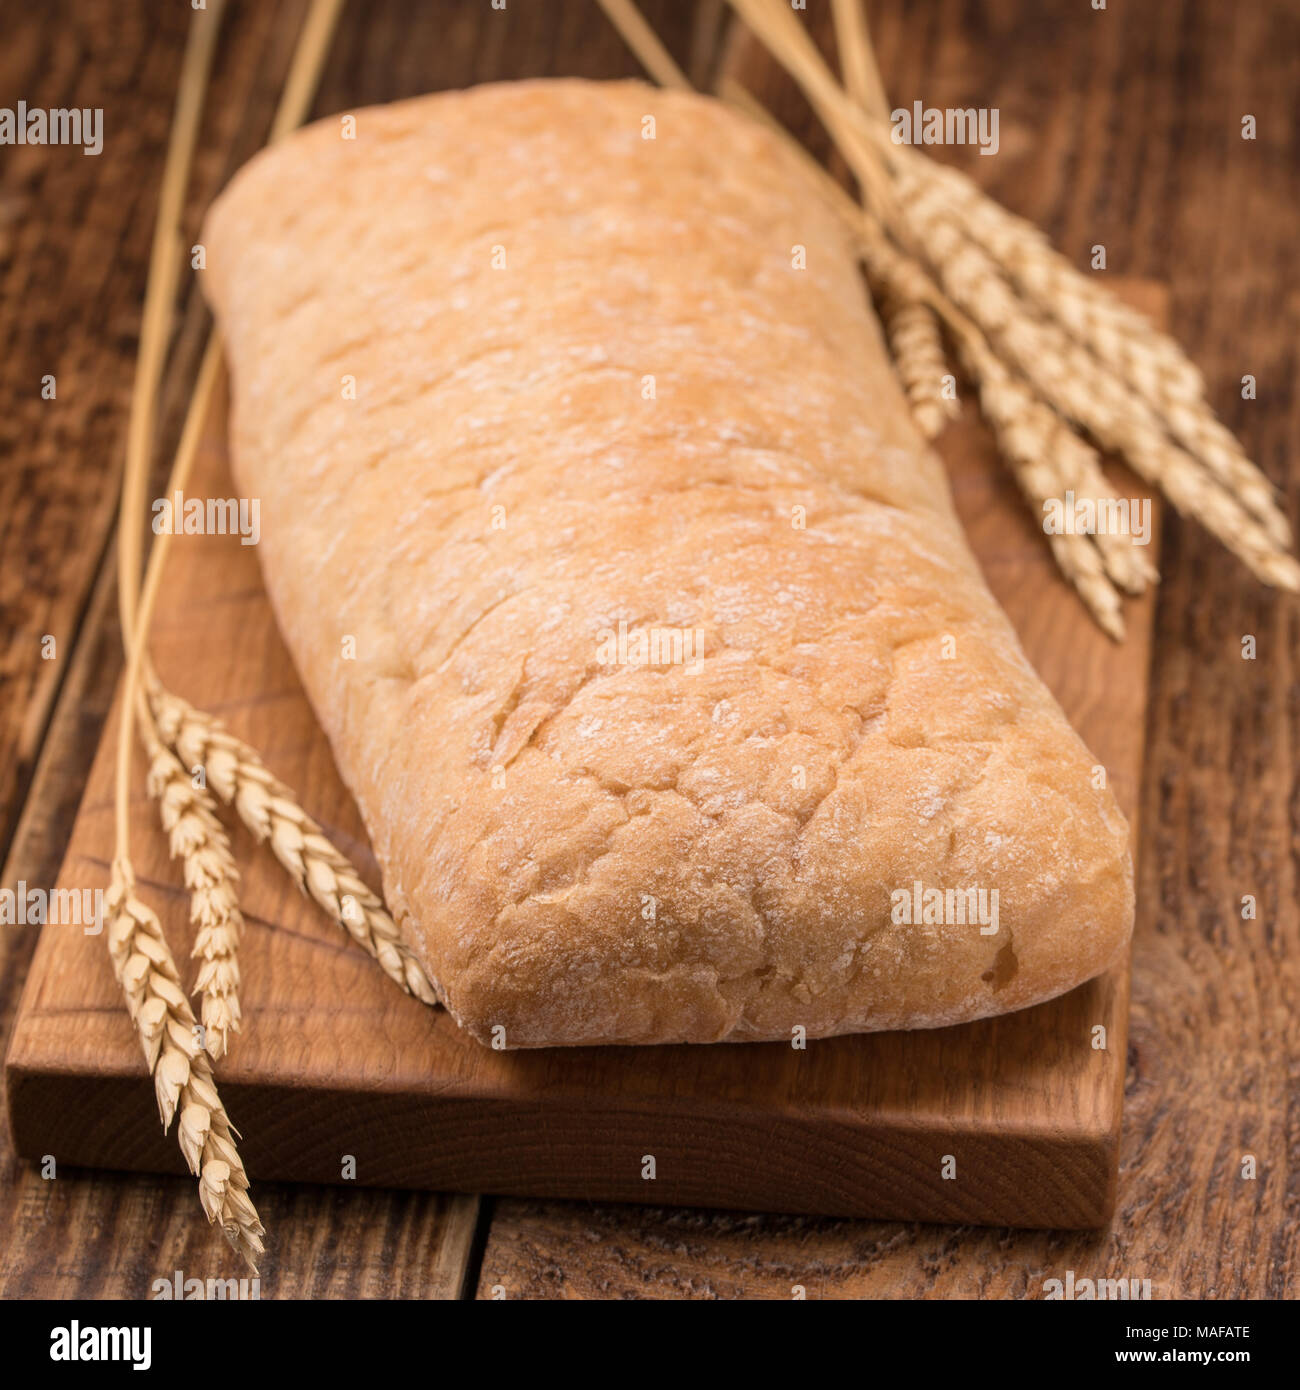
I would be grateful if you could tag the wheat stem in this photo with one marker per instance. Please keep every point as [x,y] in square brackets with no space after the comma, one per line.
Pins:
[862,78]
[911,326]
[644,43]
[916,344]
[142,962]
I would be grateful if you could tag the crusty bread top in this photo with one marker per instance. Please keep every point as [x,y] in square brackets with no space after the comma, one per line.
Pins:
[604,384]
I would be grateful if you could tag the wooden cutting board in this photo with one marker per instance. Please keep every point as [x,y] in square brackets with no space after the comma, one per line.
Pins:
[1022,1112]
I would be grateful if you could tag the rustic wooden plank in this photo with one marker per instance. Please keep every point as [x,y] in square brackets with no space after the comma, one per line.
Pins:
[1118,128]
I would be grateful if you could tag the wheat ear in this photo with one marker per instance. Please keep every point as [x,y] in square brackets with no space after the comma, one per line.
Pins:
[1070,378]
[1115,356]
[1074,465]
[1026,432]
[979,284]
[1078,468]
[197,838]
[274,816]
[1050,461]
[1121,336]
[182,1073]
[141,960]
[916,345]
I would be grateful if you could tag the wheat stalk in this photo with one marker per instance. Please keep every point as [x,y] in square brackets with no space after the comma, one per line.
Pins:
[1070,378]
[1104,397]
[274,816]
[1165,428]
[1153,364]
[164,1020]
[857,58]
[644,42]
[1078,469]
[911,325]
[1026,432]
[1045,453]
[142,962]
[850,126]
[1171,438]
[1118,334]
[182,1073]
[994,254]
[1194,425]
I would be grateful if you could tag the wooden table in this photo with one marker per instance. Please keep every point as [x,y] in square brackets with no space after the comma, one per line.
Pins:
[1119,127]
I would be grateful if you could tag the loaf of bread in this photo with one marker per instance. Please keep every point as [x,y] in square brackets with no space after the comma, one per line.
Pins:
[633,605]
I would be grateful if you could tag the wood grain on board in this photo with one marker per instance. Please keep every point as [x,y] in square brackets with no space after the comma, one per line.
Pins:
[1119,127]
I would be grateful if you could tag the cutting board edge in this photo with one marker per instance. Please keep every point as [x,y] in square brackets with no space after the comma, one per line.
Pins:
[1074,1177]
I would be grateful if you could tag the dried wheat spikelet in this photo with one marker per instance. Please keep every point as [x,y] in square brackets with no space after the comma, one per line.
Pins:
[182,1073]
[912,331]
[1068,376]
[1194,425]
[1078,469]
[1121,336]
[274,817]
[1129,345]
[1074,382]
[158,1007]
[1065,464]
[197,838]
[1025,431]
[1041,448]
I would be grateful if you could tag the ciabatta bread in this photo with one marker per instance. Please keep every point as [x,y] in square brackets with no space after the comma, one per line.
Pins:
[633,605]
